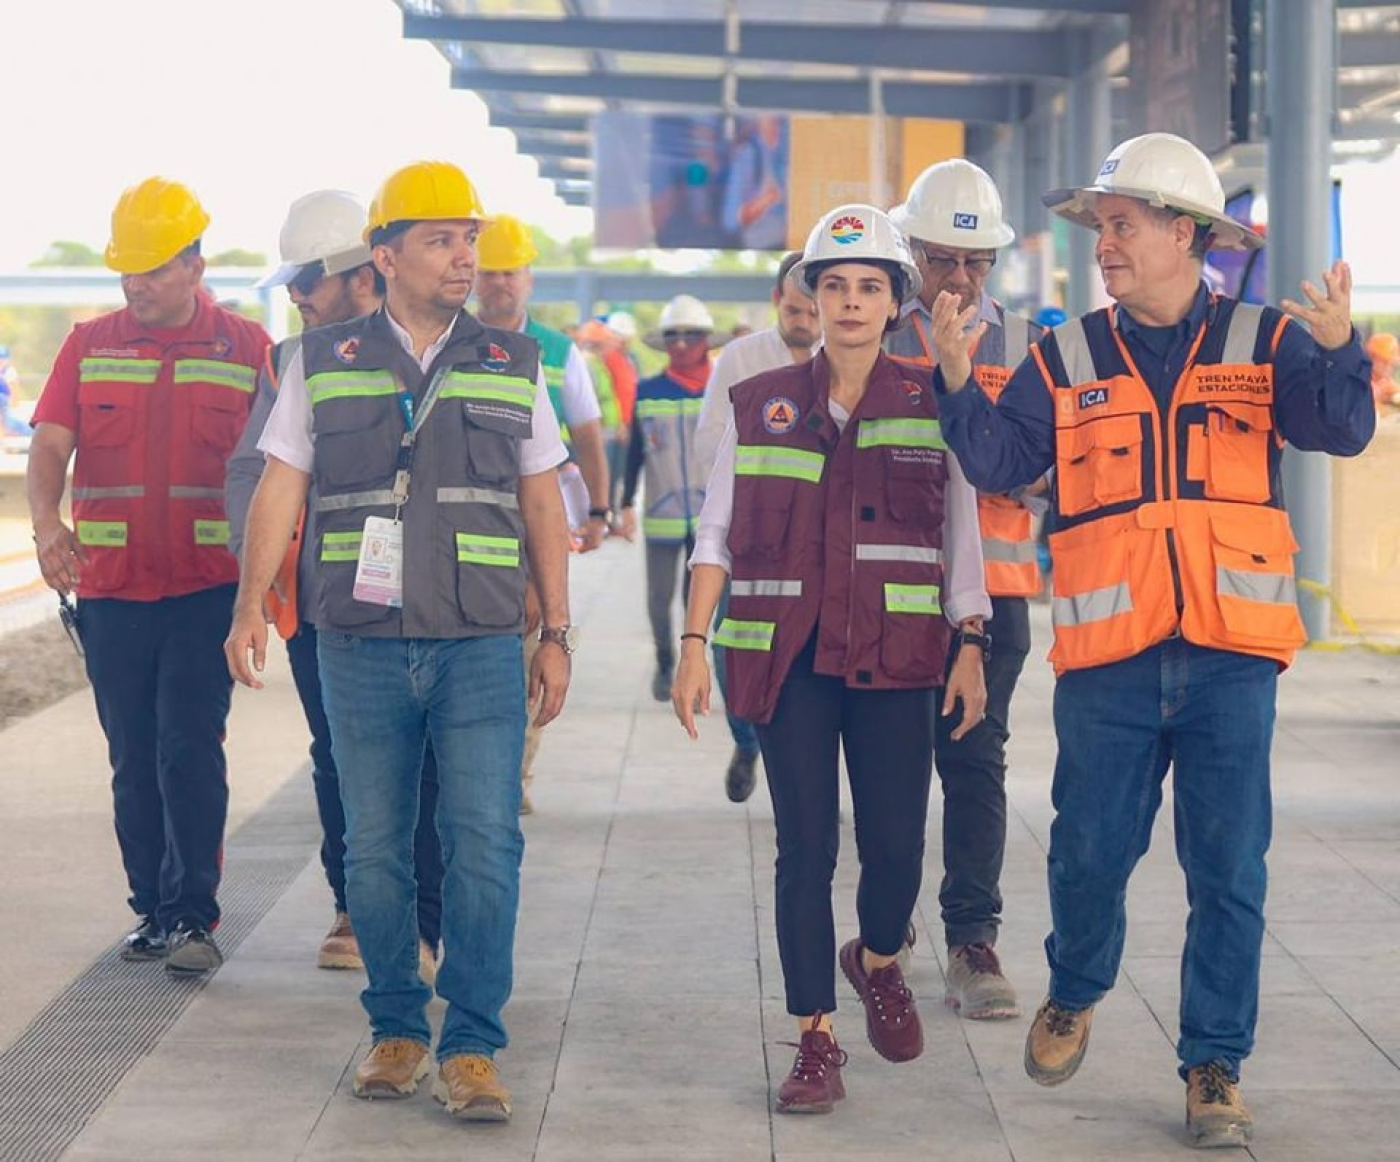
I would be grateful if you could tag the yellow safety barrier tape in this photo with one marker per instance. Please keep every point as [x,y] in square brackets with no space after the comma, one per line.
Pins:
[1363,641]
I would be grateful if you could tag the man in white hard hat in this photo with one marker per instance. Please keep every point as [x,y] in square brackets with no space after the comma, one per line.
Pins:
[1174,603]
[622,368]
[663,442]
[792,339]
[327,270]
[955,225]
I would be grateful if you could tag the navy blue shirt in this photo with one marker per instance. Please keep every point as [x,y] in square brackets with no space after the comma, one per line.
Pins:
[1322,400]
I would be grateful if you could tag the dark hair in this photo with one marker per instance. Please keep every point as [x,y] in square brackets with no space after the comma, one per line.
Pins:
[897,280]
[383,235]
[790,259]
[190,251]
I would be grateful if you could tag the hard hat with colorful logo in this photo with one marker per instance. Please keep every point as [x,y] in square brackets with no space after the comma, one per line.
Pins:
[857,233]
[683,313]
[506,244]
[1166,171]
[323,226]
[424,191]
[153,221]
[954,203]
[622,324]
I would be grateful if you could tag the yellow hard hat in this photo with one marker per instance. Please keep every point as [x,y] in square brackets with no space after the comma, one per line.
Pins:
[506,244]
[424,191]
[153,221]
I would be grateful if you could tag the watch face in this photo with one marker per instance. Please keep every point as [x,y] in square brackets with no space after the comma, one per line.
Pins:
[571,638]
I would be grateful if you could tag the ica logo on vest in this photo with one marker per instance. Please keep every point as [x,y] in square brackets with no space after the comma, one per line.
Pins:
[1092,397]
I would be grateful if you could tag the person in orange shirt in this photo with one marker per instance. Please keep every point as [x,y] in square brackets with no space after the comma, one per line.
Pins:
[1384,350]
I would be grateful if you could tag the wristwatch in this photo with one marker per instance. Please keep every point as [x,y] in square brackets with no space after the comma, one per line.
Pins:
[603,514]
[563,636]
[983,641]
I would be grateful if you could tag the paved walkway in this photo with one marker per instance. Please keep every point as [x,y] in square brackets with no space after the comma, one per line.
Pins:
[647,1020]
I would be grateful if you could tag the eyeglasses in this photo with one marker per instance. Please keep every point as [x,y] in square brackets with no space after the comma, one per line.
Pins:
[684,336]
[308,278]
[978,266]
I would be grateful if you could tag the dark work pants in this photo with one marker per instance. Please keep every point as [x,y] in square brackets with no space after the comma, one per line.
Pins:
[163,689]
[973,774]
[887,736]
[427,847]
[662,560]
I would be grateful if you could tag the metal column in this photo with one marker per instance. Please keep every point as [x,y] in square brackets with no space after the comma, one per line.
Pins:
[1087,142]
[1301,52]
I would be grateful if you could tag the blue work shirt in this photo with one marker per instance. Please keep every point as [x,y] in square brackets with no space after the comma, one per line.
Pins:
[1322,400]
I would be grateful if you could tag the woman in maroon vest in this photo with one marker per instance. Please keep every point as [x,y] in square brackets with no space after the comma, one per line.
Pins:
[851,539]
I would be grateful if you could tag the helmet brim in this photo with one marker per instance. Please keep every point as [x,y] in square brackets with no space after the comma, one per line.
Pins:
[1076,204]
[654,340]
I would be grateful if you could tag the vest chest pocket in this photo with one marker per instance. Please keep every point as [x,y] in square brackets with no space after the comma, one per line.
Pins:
[761,518]
[493,442]
[1099,464]
[1236,443]
[107,415]
[356,444]
[914,488]
[217,416]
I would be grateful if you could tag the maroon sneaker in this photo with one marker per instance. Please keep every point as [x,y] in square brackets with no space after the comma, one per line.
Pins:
[891,1016]
[814,1084]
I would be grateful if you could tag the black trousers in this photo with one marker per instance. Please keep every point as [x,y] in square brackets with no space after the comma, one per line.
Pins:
[887,736]
[325,778]
[163,690]
[973,775]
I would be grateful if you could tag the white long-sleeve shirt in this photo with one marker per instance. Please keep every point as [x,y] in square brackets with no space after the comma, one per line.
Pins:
[737,361]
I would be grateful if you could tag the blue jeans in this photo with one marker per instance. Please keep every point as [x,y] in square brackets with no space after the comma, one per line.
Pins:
[1209,715]
[386,698]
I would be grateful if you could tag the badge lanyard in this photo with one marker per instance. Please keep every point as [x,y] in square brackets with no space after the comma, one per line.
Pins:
[412,423]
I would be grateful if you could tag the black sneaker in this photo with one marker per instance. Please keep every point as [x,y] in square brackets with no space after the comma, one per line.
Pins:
[192,950]
[145,942]
[661,684]
[739,778]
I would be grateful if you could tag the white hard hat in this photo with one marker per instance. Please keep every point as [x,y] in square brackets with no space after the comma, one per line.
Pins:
[954,203]
[857,233]
[621,324]
[1166,171]
[325,226]
[683,313]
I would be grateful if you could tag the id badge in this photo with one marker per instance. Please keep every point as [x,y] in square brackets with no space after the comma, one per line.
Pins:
[379,571]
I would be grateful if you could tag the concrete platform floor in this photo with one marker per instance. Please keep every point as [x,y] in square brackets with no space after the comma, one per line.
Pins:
[648,1020]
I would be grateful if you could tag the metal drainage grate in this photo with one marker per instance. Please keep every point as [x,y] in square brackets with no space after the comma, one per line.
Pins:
[63,1067]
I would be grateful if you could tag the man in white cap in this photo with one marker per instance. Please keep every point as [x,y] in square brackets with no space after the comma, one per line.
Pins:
[1174,604]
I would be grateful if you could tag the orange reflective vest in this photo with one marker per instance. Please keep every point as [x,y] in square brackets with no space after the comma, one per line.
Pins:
[1008,534]
[1172,523]
[282,598]
[157,421]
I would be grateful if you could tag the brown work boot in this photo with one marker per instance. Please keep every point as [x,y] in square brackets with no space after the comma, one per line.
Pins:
[976,988]
[393,1068]
[814,1085]
[469,1086]
[1215,1113]
[891,1016]
[1056,1043]
[340,949]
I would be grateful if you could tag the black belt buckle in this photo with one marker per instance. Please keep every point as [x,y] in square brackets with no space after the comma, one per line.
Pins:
[68,614]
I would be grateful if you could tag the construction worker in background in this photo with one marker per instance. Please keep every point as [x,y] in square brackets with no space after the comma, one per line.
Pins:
[856,595]
[435,453]
[329,277]
[622,366]
[1384,352]
[504,281]
[151,400]
[663,442]
[792,339]
[1174,606]
[954,222]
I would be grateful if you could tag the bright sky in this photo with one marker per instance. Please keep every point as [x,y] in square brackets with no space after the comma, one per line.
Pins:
[250,102]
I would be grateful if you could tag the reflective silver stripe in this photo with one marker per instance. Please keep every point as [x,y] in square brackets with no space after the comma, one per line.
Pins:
[123,490]
[899,553]
[765,588]
[477,496]
[1270,588]
[1243,334]
[1075,353]
[194,492]
[344,500]
[1016,338]
[1008,552]
[1095,605]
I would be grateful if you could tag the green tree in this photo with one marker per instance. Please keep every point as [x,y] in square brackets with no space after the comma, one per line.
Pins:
[65,252]
[237,257]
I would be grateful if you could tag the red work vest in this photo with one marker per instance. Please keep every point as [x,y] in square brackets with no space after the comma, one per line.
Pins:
[157,422]
[841,531]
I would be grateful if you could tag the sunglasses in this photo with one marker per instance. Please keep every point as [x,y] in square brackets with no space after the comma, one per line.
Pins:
[308,278]
[945,264]
[684,336]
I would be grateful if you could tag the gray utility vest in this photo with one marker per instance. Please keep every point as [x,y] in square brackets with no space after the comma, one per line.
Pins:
[464,563]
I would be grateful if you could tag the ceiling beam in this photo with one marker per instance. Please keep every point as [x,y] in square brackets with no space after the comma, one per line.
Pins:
[563,168]
[562,122]
[1004,52]
[537,146]
[575,197]
[978,102]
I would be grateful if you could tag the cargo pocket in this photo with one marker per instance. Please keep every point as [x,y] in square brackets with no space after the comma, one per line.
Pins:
[914,634]
[337,556]
[914,491]
[1099,464]
[355,448]
[490,578]
[1254,586]
[106,431]
[493,443]
[759,531]
[217,416]
[1237,451]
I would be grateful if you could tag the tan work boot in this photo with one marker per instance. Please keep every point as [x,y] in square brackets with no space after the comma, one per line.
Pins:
[1056,1043]
[427,964]
[976,988]
[1215,1113]
[469,1086]
[340,949]
[393,1068]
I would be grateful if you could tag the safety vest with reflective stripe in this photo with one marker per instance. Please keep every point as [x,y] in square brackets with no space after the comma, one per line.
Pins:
[463,536]
[158,419]
[668,414]
[554,358]
[837,532]
[1169,523]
